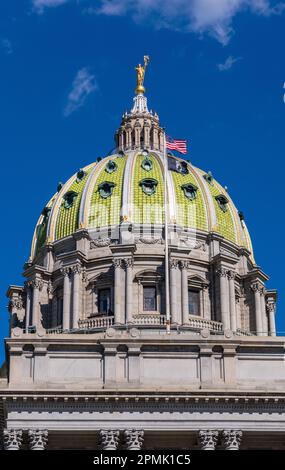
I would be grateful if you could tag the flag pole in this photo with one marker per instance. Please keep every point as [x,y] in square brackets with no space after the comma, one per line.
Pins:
[167,297]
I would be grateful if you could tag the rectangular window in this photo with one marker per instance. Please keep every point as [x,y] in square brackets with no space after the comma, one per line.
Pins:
[104,301]
[149,298]
[194,302]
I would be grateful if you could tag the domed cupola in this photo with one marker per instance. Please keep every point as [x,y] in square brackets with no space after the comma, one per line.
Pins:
[141,233]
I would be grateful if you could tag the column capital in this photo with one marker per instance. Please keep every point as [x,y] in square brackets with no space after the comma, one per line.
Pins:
[232,439]
[13,439]
[117,262]
[129,262]
[76,268]
[38,439]
[271,306]
[257,287]
[109,439]
[184,264]
[208,439]
[174,263]
[231,274]
[133,439]
[222,272]
[16,304]
[65,271]
[37,283]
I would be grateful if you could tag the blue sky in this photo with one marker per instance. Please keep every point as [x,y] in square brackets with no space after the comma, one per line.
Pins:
[216,78]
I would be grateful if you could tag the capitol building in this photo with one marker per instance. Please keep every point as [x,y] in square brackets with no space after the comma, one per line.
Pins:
[144,321]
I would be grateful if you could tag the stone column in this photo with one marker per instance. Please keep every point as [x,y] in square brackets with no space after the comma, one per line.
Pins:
[175,316]
[37,285]
[66,299]
[109,439]
[117,262]
[129,289]
[208,439]
[224,297]
[263,312]
[185,301]
[232,439]
[38,439]
[271,308]
[12,439]
[233,314]
[133,439]
[76,270]
[258,316]
[28,305]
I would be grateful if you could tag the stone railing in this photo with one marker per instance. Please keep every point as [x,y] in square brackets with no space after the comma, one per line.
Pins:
[240,332]
[200,323]
[99,322]
[149,319]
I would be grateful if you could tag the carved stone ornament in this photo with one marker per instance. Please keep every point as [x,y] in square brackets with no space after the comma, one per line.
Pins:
[232,439]
[174,263]
[77,269]
[37,284]
[256,287]
[222,272]
[16,304]
[208,439]
[231,275]
[100,242]
[38,439]
[65,271]
[134,439]
[117,263]
[129,262]
[271,306]
[109,439]
[185,264]
[12,439]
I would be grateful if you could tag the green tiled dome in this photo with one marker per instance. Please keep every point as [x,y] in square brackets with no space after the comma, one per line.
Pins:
[131,188]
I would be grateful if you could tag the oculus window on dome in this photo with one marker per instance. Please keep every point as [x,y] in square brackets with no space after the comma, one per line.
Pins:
[111,166]
[223,202]
[179,166]
[148,186]
[147,164]
[69,199]
[106,189]
[209,177]
[46,212]
[80,175]
[190,191]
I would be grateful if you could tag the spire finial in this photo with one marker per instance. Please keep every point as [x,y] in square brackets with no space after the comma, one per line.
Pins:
[140,75]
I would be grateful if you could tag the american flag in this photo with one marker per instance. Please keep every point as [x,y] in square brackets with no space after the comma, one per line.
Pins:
[176,144]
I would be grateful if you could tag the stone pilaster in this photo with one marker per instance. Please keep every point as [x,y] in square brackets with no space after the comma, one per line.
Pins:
[28,306]
[263,312]
[184,294]
[208,439]
[76,270]
[133,439]
[175,315]
[256,288]
[38,439]
[66,299]
[232,439]
[224,297]
[129,289]
[109,439]
[37,285]
[12,439]
[117,263]
[233,314]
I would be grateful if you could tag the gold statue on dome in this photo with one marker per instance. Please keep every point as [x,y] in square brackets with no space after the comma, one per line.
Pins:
[140,75]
